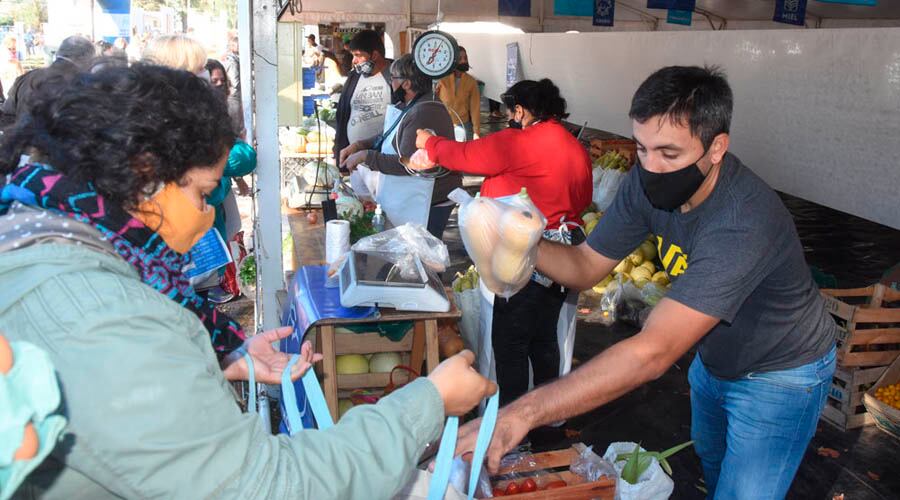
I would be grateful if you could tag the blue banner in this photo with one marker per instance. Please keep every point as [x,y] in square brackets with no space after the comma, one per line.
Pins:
[604,12]
[518,8]
[115,6]
[867,3]
[573,8]
[790,12]
[671,4]
[682,17]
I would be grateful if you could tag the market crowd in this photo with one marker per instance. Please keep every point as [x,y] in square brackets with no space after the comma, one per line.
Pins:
[113,169]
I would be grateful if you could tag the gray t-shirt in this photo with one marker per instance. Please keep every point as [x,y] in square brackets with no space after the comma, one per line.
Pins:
[736,257]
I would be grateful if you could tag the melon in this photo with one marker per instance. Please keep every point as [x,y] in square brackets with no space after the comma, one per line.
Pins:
[384,362]
[352,364]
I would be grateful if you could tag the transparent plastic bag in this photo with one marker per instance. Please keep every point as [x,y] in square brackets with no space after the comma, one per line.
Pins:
[653,484]
[612,299]
[501,238]
[402,244]
[527,475]
[652,293]
[459,478]
[605,191]
[591,466]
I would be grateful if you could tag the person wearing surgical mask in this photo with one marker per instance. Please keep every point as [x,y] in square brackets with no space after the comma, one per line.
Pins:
[366,93]
[92,239]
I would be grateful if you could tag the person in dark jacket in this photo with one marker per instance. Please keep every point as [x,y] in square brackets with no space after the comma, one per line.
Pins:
[366,93]
[74,56]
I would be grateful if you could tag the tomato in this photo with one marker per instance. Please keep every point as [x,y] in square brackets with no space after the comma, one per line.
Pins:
[528,486]
[555,484]
[512,488]
[312,217]
[498,492]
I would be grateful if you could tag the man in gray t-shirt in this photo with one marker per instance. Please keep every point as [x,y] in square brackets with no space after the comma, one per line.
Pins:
[741,291]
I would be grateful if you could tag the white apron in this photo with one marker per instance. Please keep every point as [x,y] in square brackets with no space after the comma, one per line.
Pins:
[565,335]
[404,199]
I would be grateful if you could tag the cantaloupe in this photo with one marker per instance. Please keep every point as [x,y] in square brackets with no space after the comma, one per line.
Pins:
[520,229]
[316,147]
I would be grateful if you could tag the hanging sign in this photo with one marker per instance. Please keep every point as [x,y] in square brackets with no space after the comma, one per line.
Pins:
[671,4]
[604,12]
[512,64]
[866,3]
[682,17]
[790,12]
[518,8]
[573,8]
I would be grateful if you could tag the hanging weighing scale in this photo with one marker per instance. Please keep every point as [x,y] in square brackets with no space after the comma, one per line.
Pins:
[368,279]
[436,53]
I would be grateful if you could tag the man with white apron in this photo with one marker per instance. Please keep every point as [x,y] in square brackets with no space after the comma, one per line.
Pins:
[376,165]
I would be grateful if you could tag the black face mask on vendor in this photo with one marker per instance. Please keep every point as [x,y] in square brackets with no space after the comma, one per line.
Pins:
[515,124]
[671,190]
[462,67]
[398,96]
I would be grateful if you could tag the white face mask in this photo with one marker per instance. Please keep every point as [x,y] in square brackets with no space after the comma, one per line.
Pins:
[204,75]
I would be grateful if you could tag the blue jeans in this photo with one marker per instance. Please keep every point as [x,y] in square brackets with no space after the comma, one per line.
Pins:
[751,433]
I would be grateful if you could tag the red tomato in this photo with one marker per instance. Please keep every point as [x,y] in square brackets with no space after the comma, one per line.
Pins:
[498,492]
[555,484]
[312,217]
[528,485]
[512,488]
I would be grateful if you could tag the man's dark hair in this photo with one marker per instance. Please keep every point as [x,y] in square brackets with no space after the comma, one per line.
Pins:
[698,97]
[405,67]
[312,37]
[542,99]
[126,130]
[367,41]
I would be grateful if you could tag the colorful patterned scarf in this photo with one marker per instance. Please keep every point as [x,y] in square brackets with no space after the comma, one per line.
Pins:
[158,265]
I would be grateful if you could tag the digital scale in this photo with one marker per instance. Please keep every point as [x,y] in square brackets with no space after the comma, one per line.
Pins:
[368,279]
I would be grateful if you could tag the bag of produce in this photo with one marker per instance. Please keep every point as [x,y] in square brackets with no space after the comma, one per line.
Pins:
[501,238]
[606,190]
[402,244]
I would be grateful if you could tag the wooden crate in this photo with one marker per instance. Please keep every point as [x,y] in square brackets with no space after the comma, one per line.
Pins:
[886,417]
[844,408]
[625,147]
[869,321]
[577,489]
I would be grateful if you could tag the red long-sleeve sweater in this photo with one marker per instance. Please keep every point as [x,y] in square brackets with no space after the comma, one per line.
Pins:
[544,158]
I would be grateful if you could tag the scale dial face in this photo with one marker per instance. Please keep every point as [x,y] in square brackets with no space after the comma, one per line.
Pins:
[435,53]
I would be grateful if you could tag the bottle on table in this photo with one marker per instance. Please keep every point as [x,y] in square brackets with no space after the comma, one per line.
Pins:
[378,220]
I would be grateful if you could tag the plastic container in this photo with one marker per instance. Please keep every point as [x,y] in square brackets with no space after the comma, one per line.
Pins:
[378,220]
[309,78]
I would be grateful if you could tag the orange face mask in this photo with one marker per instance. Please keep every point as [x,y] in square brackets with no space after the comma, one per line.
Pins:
[175,218]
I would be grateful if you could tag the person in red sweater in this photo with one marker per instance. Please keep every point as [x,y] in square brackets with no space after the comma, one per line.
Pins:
[539,154]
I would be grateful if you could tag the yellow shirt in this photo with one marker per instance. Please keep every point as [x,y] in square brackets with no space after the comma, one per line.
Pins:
[464,100]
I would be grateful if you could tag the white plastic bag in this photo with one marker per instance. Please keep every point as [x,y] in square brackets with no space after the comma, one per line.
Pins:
[653,484]
[501,238]
[402,244]
[605,191]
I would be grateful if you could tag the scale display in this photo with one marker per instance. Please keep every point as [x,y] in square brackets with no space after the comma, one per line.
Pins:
[436,53]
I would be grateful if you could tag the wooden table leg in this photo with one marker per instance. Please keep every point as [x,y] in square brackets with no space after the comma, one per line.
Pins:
[431,344]
[329,369]
[418,346]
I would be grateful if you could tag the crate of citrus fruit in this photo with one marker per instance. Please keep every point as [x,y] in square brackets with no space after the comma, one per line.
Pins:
[882,400]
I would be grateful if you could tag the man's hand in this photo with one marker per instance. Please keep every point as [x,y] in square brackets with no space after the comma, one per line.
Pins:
[460,386]
[346,152]
[422,137]
[475,136]
[355,159]
[268,363]
[512,427]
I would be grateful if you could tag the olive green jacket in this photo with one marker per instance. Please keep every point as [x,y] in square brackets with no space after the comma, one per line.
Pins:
[150,413]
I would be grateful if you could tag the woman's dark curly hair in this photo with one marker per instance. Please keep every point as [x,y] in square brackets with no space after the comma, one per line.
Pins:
[126,130]
[542,99]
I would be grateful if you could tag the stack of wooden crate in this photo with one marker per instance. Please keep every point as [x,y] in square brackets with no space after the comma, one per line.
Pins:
[868,341]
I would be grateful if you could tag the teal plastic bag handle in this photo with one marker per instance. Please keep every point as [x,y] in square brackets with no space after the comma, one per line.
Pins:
[314,396]
[251,404]
[444,461]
